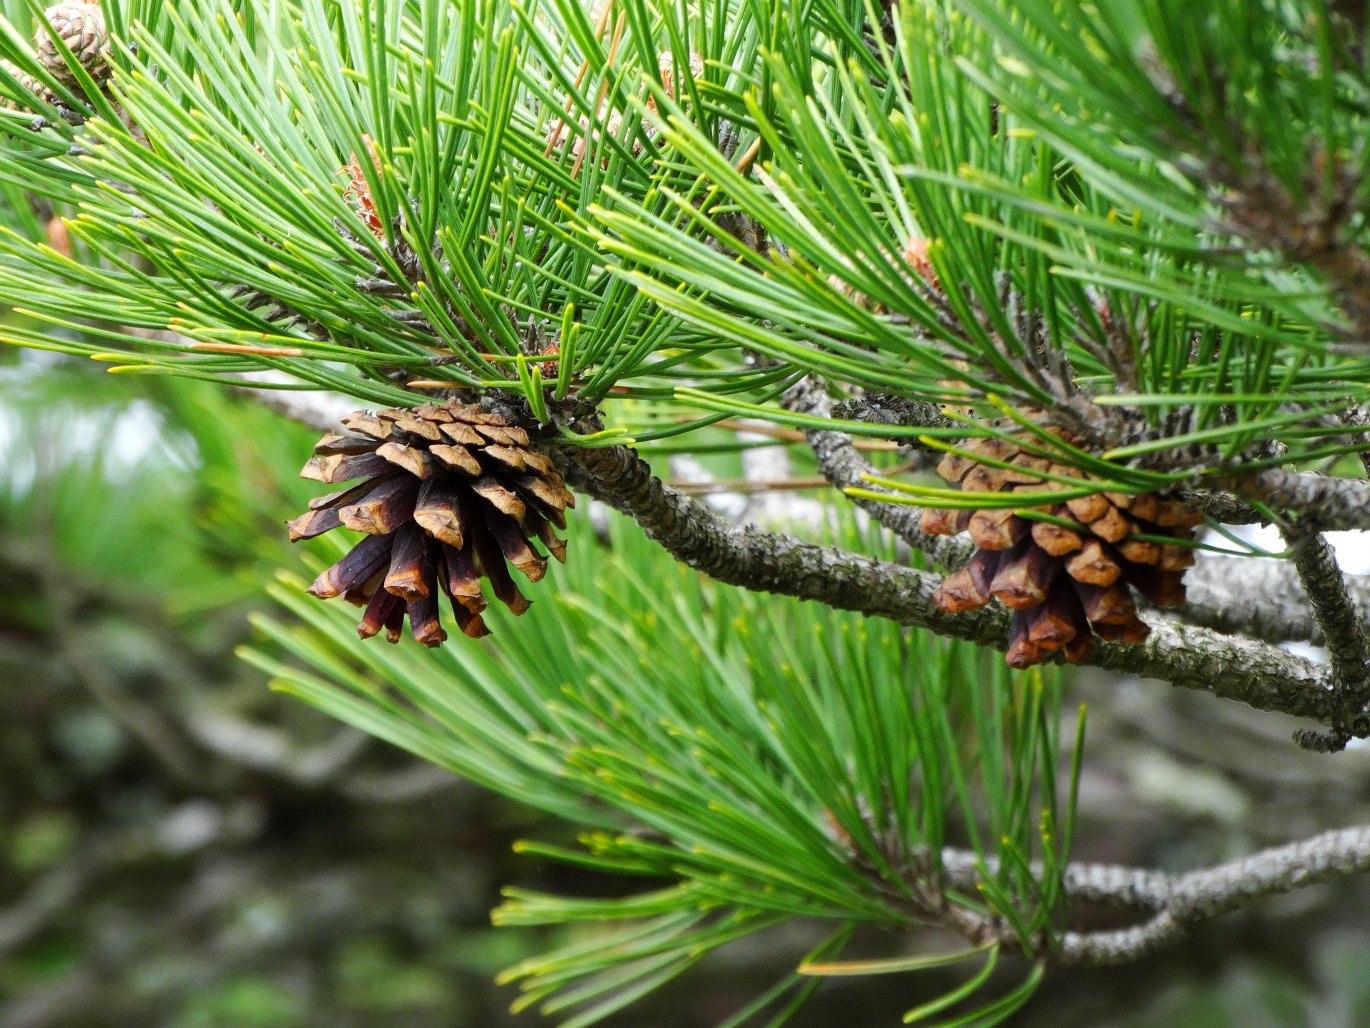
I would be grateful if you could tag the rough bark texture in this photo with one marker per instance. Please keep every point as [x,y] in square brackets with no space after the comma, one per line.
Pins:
[843,465]
[1336,614]
[1179,901]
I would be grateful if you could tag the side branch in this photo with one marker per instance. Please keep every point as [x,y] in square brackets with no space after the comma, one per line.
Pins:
[1261,598]
[1177,902]
[843,465]
[1184,900]
[1337,616]
[1322,502]
[1184,655]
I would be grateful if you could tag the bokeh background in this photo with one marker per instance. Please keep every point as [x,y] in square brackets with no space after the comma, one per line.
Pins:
[180,846]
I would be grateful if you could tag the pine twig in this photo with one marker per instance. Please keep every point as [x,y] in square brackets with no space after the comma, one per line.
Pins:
[1177,902]
[1340,621]
[843,466]
[1260,598]
[1188,899]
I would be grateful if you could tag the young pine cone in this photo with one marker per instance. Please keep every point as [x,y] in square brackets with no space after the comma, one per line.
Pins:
[26,82]
[450,493]
[1065,585]
[80,25]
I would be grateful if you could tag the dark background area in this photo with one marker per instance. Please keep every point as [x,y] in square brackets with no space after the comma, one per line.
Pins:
[180,846]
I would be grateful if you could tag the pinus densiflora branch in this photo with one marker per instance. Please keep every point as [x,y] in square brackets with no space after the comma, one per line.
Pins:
[529,240]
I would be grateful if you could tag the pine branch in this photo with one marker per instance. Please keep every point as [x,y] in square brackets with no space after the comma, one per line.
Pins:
[1304,230]
[1337,616]
[1198,650]
[1256,673]
[1320,501]
[1178,902]
[1260,598]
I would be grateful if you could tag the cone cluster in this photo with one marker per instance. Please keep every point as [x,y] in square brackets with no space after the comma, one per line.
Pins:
[449,495]
[80,25]
[1070,579]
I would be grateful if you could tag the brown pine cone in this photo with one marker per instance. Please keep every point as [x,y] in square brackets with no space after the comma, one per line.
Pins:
[1068,580]
[450,494]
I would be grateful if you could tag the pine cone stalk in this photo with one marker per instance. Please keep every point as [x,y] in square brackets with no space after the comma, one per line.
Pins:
[1068,579]
[450,496]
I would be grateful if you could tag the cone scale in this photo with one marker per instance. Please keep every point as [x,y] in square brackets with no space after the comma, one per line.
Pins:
[447,497]
[1069,580]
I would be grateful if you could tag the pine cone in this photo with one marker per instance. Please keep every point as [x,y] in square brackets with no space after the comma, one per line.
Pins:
[81,26]
[450,494]
[1068,580]
[27,82]
[358,194]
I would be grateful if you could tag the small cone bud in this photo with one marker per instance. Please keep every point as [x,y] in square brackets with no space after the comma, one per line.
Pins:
[81,28]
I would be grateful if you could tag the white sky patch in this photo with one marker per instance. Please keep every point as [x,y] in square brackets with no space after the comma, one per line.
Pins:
[1352,547]
[115,438]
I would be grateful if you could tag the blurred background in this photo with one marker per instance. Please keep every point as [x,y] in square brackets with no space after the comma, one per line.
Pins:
[180,846]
